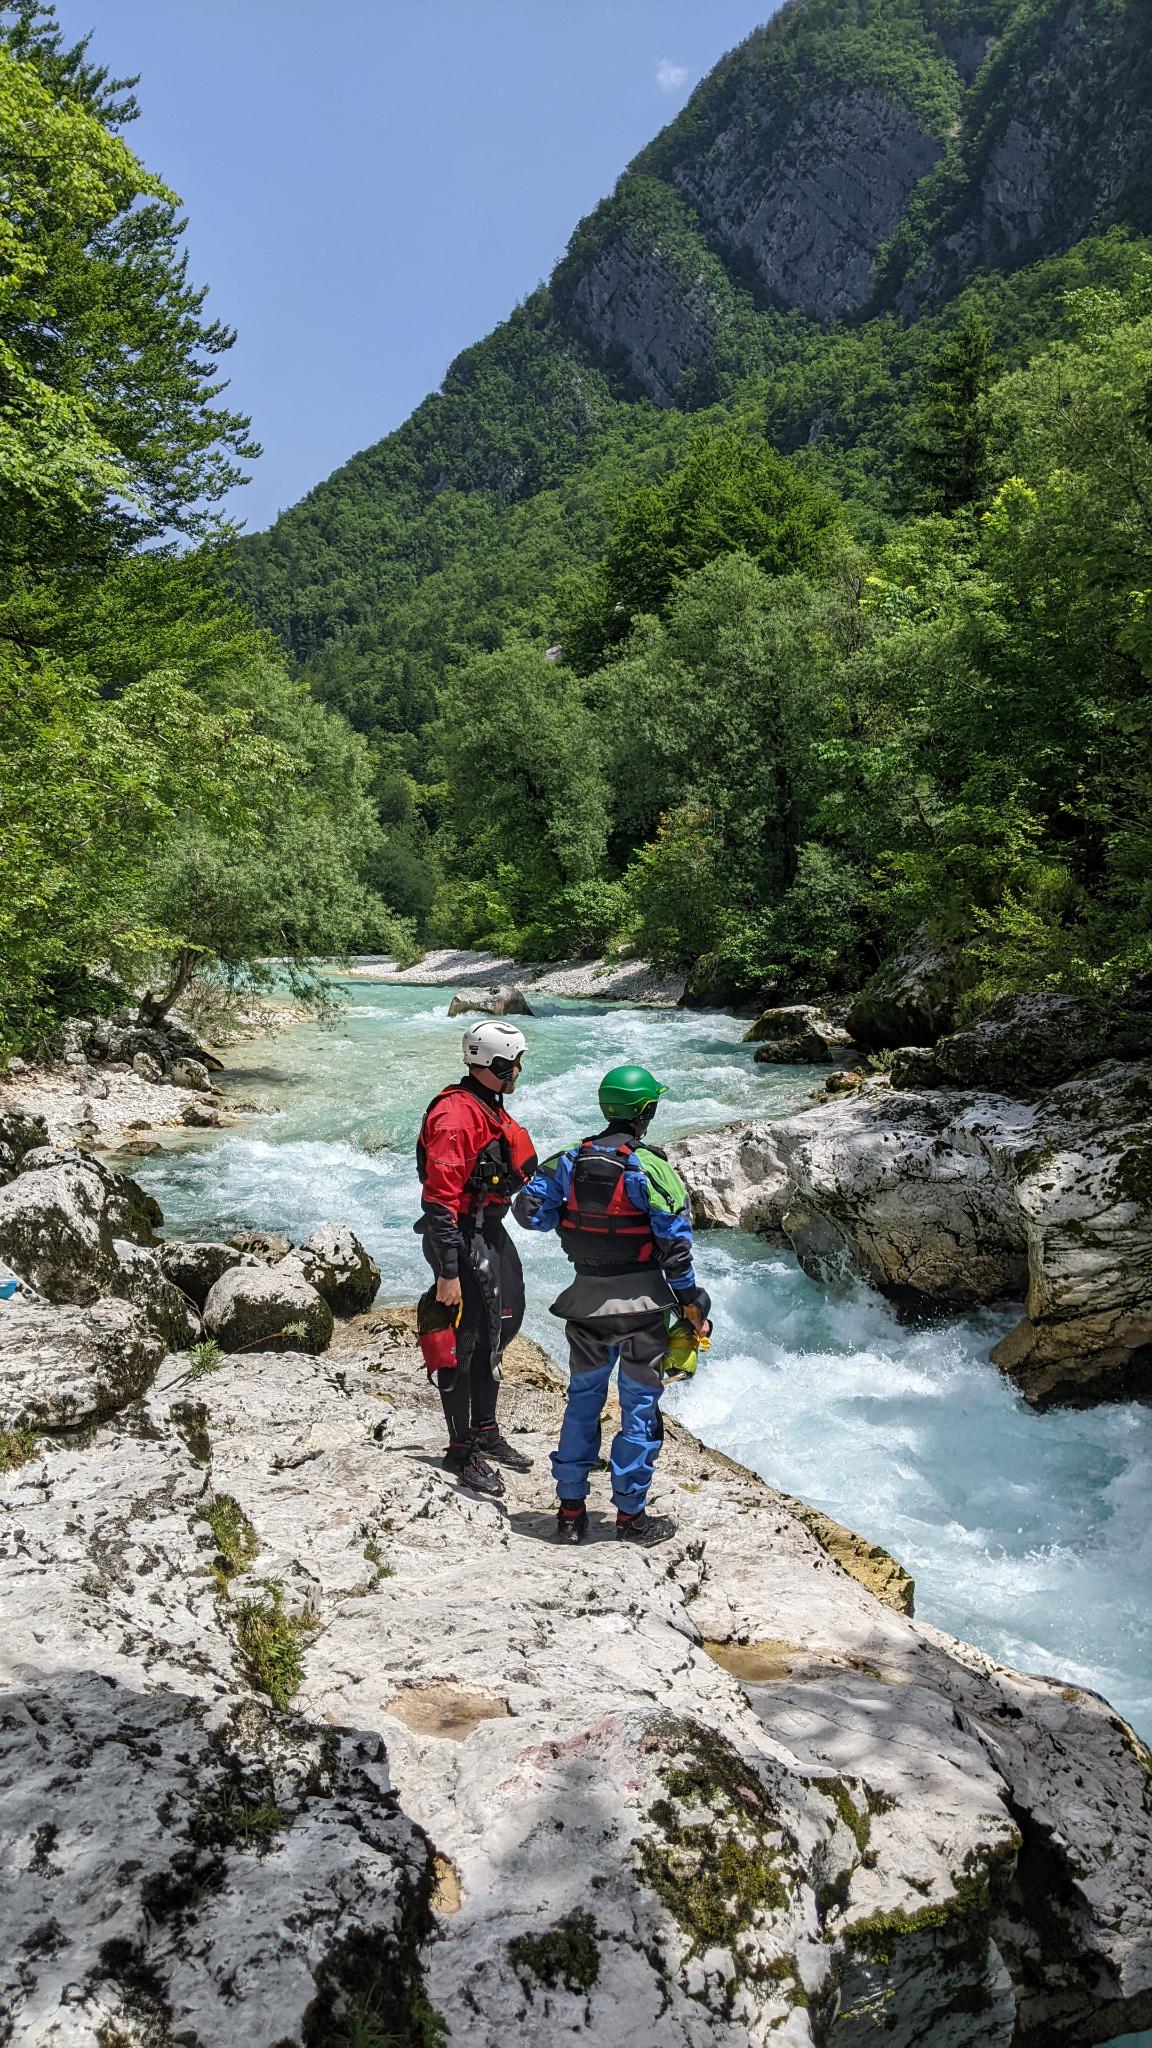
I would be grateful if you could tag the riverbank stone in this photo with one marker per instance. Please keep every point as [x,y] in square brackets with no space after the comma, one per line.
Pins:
[195,1267]
[338,1266]
[62,1219]
[67,1367]
[19,1135]
[912,999]
[798,1034]
[267,1245]
[1025,1045]
[266,1308]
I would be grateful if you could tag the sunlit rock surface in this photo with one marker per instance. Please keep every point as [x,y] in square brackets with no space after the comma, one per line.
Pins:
[718,1792]
[943,1199]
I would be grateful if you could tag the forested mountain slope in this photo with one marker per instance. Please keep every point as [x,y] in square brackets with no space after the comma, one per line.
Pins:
[868,220]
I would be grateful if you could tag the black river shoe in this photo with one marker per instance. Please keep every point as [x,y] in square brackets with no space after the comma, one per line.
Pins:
[572,1522]
[475,1473]
[492,1445]
[644,1528]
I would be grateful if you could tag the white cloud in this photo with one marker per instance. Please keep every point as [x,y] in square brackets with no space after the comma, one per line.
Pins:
[669,76]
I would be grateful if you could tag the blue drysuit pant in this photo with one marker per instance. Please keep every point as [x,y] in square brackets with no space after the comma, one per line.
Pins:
[637,1443]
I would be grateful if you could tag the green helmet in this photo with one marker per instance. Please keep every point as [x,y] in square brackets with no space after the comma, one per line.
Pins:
[628,1090]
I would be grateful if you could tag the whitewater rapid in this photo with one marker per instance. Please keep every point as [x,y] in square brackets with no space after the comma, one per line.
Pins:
[1028,1535]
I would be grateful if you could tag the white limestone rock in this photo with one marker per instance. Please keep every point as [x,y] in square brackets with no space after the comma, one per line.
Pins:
[1082,1178]
[195,1267]
[882,1184]
[338,1266]
[734,1176]
[690,1856]
[949,1199]
[265,1308]
[63,1368]
[77,1232]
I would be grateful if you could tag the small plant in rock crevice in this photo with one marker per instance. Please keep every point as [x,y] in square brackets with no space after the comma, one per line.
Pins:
[236,1540]
[370,1988]
[272,1644]
[237,1815]
[17,1446]
[206,1357]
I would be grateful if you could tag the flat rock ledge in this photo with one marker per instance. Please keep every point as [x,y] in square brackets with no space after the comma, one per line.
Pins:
[304,1746]
[947,1198]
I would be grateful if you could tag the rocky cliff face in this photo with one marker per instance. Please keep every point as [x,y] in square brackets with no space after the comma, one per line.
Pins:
[639,311]
[823,141]
[802,198]
[1058,146]
[303,1746]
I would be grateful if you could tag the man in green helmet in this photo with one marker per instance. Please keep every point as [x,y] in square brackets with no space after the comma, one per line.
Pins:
[622,1216]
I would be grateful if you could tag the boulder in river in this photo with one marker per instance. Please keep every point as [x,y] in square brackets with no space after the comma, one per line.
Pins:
[912,999]
[267,1308]
[336,1264]
[195,1267]
[66,1367]
[798,1033]
[496,1002]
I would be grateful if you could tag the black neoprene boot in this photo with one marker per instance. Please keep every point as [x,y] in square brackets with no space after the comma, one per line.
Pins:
[644,1528]
[473,1471]
[491,1444]
[572,1522]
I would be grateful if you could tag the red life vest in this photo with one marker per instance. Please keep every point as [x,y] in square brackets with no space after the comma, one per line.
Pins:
[601,1229]
[504,1160]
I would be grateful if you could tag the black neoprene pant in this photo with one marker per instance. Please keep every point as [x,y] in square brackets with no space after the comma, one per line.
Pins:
[469,1394]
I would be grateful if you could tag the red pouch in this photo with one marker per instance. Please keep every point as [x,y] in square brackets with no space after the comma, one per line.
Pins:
[436,1332]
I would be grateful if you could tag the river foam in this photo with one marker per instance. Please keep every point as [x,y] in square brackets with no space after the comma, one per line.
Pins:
[1028,1535]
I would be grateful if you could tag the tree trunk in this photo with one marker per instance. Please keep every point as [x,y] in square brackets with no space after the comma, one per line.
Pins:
[154,1009]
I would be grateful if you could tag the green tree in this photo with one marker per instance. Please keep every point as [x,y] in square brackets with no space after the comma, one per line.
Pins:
[733,494]
[947,457]
[109,430]
[521,759]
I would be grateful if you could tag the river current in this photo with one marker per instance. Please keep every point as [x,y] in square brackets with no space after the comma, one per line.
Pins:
[1026,1534]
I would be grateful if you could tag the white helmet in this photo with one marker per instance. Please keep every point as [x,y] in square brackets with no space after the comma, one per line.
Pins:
[493,1040]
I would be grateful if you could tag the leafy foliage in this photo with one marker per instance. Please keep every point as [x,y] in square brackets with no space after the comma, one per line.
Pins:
[169,797]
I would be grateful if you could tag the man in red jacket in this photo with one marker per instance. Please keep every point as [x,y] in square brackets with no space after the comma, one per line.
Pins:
[472,1158]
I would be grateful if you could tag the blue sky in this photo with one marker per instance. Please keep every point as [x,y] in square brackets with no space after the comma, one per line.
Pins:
[373,184]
